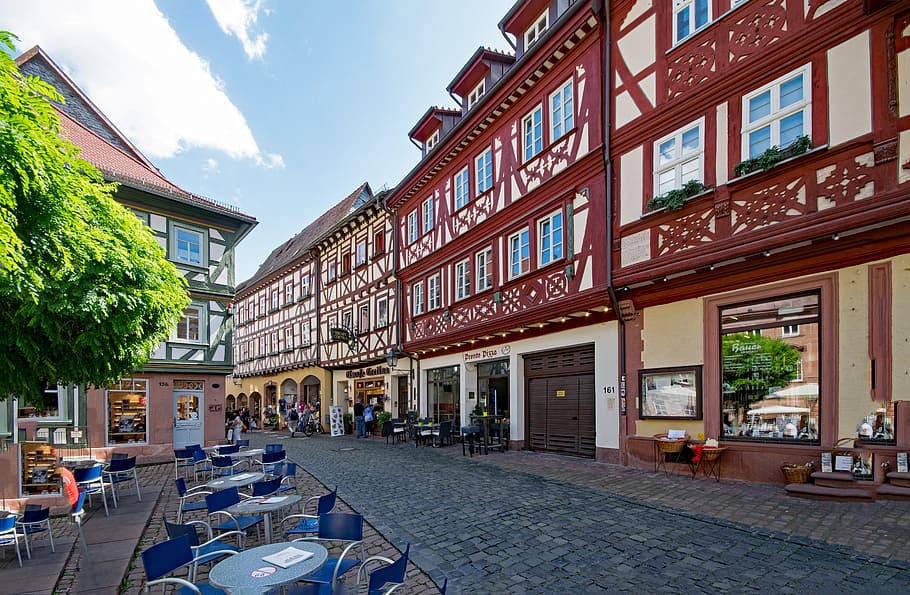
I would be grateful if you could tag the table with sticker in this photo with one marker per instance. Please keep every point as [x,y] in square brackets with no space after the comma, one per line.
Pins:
[248,572]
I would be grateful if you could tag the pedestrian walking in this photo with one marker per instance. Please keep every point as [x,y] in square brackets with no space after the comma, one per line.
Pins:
[368,419]
[293,418]
[358,418]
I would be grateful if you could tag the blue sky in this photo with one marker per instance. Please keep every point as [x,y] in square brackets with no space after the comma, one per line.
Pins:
[281,107]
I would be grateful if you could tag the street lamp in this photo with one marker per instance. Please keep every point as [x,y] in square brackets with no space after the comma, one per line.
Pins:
[392,357]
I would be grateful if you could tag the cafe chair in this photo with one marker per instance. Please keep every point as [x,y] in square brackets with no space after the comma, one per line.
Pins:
[274,447]
[309,523]
[203,553]
[288,473]
[270,461]
[201,464]
[399,430]
[443,435]
[229,449]
[470,439]
[183,459]
[218,502]
[266,487]
[223,466]
[341,530]
[243,443]
[186,495]
[385,579]
[193,447]
[77,513]
[121,471]
[168,556]
[9,535]
[35,520]
[90,480]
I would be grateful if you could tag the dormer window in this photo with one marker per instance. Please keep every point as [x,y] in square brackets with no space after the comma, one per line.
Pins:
[475,95]
[433,140]
[536,30]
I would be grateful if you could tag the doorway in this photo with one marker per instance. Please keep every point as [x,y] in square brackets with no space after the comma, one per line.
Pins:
[188,406]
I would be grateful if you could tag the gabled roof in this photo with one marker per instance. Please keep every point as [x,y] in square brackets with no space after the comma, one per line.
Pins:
[430,121]
[521,15]
[475,68]
[297,247]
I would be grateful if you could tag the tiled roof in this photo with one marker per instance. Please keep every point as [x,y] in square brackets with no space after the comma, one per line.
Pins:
[309,236]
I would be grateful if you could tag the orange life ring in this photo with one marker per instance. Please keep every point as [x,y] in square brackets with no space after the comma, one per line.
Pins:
[69,485]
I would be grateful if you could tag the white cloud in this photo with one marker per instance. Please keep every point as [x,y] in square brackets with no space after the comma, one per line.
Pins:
[210,166]
[238,18]
[128,59]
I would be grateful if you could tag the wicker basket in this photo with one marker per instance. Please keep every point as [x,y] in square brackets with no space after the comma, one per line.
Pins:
[796,473]
[666,445]
[709,454]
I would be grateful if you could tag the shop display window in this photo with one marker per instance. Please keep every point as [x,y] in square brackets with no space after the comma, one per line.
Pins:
[39,469]
[877,427]
[770,364]
[443,393]
[127,403]
[671,393]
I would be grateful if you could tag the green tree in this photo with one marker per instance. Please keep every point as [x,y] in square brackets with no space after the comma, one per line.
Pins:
[756,364]
[86,292]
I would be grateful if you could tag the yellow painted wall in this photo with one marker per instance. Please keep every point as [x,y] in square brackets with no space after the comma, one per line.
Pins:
[854,369]
[849,90]
[900,328]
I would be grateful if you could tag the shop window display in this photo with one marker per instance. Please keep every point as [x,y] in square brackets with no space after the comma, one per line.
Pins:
[127,403]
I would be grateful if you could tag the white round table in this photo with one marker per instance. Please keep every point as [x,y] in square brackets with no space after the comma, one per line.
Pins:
[247,572]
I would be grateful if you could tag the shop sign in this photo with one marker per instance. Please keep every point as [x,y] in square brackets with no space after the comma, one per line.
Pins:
[344,335]
[363,373]
[560,394]
[488,353]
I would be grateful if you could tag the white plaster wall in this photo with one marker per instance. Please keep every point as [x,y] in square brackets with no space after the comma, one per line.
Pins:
[900,328]
[637,47]
[849,90]
[626,110]
[854,369]
[720,157]
[630,183]
[903,79]
[673,335]
[903,175]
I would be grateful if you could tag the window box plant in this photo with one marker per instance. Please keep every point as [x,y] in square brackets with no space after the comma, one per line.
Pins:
[772,157]
[673,200]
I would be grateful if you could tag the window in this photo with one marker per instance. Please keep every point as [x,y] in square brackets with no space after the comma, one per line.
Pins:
[348,320]
[52,403]
[127,403]
[364,324]
[672,393]
[382,312]
[361,252]
[678,158]
[777,114]
[275,296]
[305,286]
[263,305]
[484,269]
[378,243]
[462,279]
[250,311]
[332,271]
[689,17]
[345,264]
[475,94]
[550,238]
[483,171]
[426,212]
[413,230]
[791,330]
[289,293]
[764,397]
[461,188]
[519,254]
[417,298]
[562,111]
[262,346]
[189,327]
[536,30]
[433,140]
[273,342]
[433,297]
[188,245]
[288,339]
[532,133]
[304,334]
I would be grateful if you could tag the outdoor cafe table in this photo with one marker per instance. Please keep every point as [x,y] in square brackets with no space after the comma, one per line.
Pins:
[247,572]
[241,480]
[265,507]
[485,422]
[247,454]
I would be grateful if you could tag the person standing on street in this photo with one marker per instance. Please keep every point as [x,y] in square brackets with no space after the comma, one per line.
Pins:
[358,418]
[368,419]
[293,418]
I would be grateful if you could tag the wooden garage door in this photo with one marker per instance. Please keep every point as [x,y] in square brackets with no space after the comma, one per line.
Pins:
[560,389]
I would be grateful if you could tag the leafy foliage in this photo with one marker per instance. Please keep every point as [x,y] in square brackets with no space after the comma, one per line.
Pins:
[673,200]
[772,156]
[86,292]
[757,363]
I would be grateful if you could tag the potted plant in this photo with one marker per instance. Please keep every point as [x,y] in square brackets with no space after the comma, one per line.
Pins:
[772,156]
[673,200]
[348,420]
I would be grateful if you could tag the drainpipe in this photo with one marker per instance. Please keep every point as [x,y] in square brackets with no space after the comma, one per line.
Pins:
[509,41]
[602,9]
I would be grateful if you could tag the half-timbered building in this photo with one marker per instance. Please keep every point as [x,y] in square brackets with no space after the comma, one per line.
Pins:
[505,308]
[759,233]
[176,398]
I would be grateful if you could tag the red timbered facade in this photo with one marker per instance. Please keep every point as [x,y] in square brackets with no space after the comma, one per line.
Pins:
[759,235]
[500,234]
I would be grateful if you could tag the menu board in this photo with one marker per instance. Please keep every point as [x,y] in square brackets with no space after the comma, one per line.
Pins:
[336,420]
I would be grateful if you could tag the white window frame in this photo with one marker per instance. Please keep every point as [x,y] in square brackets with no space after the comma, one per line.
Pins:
[483,171]
[304,334]
[274,342]
[476,93]
[484,269]
[789,330]
[361,253]
[519,253]
[332,271]
[556,236]
[200,312]
[798,371]
[417,303]
[288,338]
[562,110]
[274,299]
[679,160]
[689,7]
[304,286]
[176,244]
[462,189]
[426,215]
[434,292]
[532,133]
[777,113]
[288,293]
[463,279]
[533,33]
[363,319]
[413,228]
[432,141]
[382,312]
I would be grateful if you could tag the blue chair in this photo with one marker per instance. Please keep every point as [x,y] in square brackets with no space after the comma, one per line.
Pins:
[9,535]
[273,447]
[77,512]
[185,495]
[201,464]
[385,579]
[89,480]
[224,466]
[309,523]
[193,447]
[166,557]
[266,487]
[183,459]
[218,502]
[203,553]
[288,474]
[120,471]
[243,443]
[335,529]
[229,449]
[35,520]
[270,461]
